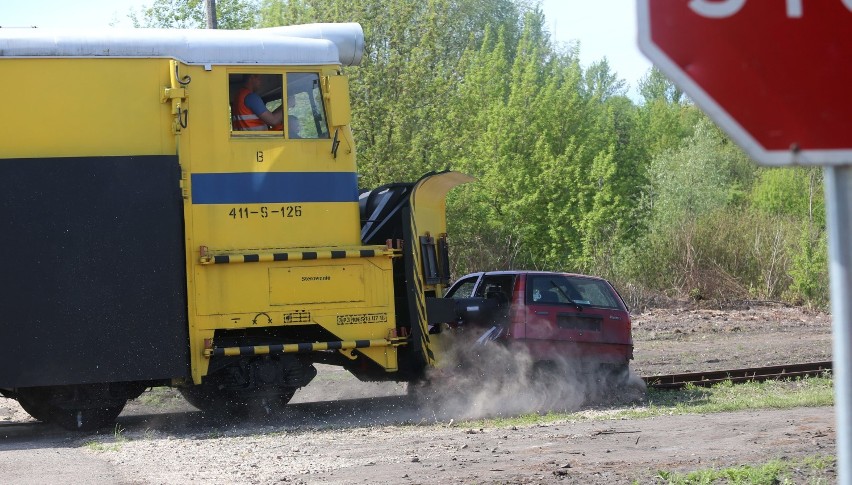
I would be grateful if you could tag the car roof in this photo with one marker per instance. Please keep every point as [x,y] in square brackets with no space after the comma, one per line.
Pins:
[523,272]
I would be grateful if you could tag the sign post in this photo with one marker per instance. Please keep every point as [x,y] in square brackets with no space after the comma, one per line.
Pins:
[775,75]
[838,205]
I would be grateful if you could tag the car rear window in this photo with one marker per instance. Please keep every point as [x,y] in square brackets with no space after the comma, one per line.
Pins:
[555,289]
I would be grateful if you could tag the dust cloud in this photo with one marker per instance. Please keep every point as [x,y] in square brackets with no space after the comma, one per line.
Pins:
[481,378]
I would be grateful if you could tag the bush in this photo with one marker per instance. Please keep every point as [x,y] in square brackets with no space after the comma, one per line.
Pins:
[726,254]
[809,268]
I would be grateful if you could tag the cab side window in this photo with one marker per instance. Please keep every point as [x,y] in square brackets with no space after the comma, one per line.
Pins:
[306,117]
[255,102]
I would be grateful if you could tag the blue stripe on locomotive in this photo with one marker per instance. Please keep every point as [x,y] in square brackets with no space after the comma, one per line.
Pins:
[274,187]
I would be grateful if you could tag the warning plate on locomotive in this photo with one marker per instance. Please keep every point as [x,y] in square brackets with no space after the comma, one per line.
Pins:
[362,318]
[316,284]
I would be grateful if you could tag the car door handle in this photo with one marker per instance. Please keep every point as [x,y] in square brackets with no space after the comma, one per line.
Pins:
[542,313]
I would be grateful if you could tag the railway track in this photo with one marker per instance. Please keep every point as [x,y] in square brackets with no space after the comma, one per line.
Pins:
[392,406]
[705,379]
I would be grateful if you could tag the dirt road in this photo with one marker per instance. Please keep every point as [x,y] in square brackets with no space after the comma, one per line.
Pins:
[182,448]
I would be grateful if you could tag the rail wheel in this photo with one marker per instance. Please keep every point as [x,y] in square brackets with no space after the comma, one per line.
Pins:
[35,409]
[88,419]
[212,400]
[69,407]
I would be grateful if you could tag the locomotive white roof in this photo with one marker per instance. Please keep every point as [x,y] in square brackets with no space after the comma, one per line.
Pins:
[290,45]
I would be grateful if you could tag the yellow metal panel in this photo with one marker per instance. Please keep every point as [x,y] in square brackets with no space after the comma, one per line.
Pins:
[84,107]
[428,201]
[211,148]
[338,104]
[252,288]
[428,216]
[326,284]
[280,225]
[214,149]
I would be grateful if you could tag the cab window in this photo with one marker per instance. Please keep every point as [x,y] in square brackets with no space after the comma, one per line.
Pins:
[256,103]
[306,116]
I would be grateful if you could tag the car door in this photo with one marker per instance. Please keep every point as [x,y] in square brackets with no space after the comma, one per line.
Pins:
[486,302]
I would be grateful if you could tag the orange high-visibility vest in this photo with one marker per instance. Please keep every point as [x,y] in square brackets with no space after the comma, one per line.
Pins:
[243,118]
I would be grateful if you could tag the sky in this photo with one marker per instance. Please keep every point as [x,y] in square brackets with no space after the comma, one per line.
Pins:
[604,28]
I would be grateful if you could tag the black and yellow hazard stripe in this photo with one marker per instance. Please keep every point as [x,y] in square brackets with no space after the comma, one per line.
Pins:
[294,256]
[418,282]
[300,347]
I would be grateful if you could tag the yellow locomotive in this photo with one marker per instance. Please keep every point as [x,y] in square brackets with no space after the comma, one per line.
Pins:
[154,236]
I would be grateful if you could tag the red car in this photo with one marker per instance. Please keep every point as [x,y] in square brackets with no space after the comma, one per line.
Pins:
[557,317]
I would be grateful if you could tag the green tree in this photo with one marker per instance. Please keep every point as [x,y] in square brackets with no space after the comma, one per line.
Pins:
[666,115]
[796,193]
[692,188]
[696,178]
[793,191]
[190,14]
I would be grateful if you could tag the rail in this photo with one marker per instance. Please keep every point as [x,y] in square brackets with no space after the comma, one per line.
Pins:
[756,374]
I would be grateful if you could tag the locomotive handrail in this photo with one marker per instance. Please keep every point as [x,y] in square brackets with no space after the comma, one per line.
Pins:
[364,252]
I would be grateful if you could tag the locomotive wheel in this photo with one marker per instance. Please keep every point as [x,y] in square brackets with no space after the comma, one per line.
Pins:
[211,400]
[85,419]
[35,409]
[44,405]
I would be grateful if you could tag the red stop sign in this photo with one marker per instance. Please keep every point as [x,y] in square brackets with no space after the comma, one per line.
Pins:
[775,74]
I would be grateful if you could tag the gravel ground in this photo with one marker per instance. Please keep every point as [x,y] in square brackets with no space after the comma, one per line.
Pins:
[339,430]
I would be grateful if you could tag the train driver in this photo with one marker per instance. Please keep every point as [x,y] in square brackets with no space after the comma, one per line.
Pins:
[249,110]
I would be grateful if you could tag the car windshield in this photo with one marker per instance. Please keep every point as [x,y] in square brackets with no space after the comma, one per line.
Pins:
[555,289]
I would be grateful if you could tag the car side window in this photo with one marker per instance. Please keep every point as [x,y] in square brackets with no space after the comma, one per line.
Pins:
[463,289]
[596,293]
[496,286]
[546,289]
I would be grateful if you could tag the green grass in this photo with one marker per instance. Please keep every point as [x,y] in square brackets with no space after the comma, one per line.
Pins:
[101,447]
[160,397]
[723,397]
[118,436]
[771,473]
[726,397]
